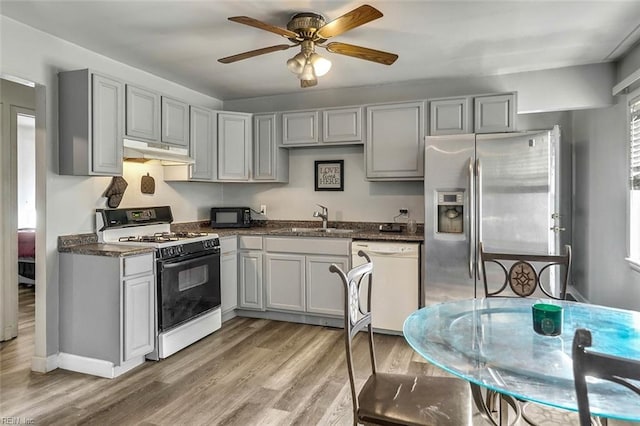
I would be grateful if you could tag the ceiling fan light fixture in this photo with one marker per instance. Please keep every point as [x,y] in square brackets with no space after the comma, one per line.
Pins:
[308,73]
[296,64]
[320,65]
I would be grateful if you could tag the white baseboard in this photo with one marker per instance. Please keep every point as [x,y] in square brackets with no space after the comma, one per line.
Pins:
[44,365]
[576,294]
[96,367]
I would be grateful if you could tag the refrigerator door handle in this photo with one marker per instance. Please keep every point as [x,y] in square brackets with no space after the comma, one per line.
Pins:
[471,217]
[478,207]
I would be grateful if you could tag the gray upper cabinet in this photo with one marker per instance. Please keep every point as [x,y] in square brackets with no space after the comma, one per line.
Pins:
[270,162]
[203,144]
[449,116]
[300,128]
[495,113]
[394,148]
[175,122]
[342,125]
[91,119]
[143,114]
[234,146]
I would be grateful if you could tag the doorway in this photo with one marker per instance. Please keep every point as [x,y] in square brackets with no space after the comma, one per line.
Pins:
[23,161]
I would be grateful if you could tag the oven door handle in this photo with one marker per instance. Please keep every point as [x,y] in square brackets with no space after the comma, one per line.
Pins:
[184,261]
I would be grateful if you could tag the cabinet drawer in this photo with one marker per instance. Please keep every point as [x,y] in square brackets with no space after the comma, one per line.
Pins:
[228,244]
[250,242]
[135,265]
[337,246]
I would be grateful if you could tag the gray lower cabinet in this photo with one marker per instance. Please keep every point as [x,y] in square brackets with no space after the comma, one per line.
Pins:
[297,276]
[90,120]
[228,275]
[394,148]
[285,281]
[250,272]
[107,312]
[325,292]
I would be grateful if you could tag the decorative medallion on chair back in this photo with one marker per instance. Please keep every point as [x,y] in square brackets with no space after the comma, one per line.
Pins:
[522,277]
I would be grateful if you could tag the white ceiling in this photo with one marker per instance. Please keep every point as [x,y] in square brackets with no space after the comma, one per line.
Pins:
[182,40]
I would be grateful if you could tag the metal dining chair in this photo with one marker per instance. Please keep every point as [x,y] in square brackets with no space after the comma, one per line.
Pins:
[523,278]
[608,367]
[395,399]
[520,275]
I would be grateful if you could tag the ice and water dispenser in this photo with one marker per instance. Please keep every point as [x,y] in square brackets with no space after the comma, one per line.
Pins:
[449,212]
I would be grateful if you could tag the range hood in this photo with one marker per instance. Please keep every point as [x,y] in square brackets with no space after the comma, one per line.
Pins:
[152,151]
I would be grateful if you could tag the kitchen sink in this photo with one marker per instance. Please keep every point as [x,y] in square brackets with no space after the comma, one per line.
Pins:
[325,230]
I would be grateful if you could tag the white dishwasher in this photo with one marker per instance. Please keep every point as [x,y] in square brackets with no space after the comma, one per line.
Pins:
[396,281]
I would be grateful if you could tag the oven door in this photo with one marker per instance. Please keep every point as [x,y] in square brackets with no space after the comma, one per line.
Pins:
[187,287]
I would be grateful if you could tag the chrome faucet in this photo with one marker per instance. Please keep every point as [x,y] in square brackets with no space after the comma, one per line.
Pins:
[324,215]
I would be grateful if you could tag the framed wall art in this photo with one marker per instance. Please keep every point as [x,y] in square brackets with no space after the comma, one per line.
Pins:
[329,175]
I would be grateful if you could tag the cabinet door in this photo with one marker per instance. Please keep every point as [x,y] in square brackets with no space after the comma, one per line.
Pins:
[325,292]
[264,147]
[139,314]
[202,147]
[284,282]
[175,122]
[395,141]
[495,113]
[143,114]
[107,117]
[300,128]
[250,280]
[449,116]
[229,280]
[234,146]
[342,125]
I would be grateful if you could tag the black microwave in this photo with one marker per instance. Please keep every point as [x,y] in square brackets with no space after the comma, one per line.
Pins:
[230,217]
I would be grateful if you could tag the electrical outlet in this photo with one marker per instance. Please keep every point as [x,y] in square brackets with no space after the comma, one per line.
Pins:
[263,209]
[404,211]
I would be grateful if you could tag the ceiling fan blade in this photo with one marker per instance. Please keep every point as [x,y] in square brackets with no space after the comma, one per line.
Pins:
[252,53]
[350,20]
[263,26]
[365,53]
[308,83]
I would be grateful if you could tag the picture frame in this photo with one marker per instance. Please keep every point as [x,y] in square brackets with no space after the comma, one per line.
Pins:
[329,175]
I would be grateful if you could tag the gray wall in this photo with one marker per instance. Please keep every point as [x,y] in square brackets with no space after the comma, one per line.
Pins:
[600,272]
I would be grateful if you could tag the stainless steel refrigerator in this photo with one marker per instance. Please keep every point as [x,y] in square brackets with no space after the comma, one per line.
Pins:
[502,189]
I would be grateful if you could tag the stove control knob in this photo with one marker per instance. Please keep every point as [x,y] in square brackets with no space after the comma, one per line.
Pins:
[179,249]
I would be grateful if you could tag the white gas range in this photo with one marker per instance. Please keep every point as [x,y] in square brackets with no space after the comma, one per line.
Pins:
[187,273]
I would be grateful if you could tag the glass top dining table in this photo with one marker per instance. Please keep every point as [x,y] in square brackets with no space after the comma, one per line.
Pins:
[491,343]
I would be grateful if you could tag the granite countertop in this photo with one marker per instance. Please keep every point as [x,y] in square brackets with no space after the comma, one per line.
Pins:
[88,243]
[361,230]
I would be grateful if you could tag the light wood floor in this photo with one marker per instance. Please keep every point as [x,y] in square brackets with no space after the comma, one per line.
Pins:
[251,372]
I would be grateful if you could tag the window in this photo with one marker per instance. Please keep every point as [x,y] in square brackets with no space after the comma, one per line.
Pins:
[634,180]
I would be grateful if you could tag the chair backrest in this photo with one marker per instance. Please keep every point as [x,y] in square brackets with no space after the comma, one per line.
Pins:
[522,277]
[356,315]
[608,367]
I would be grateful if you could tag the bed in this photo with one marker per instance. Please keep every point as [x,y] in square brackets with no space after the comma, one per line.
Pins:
[26,256]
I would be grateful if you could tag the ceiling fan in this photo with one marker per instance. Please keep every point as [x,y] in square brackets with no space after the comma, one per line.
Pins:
[310,30]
